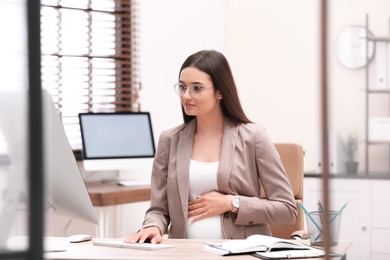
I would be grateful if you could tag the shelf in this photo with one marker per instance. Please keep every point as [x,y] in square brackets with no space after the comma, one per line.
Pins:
[382,142]
[387,142]
[360,175]
[379,91]
[379,38]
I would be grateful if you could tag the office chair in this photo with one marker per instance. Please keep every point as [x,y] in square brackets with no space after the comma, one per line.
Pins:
[291,155]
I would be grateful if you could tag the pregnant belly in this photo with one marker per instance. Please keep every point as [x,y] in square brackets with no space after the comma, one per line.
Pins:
[208,228]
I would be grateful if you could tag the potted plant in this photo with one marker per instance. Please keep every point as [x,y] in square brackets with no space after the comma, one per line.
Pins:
[350,148]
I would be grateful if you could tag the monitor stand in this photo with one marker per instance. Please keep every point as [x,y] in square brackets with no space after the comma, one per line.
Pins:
[109,177]
[128,172]
[113,177]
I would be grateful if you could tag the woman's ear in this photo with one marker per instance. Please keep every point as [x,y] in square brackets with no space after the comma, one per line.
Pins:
[219,95]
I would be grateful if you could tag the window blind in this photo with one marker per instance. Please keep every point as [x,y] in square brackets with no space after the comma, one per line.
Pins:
[89,58]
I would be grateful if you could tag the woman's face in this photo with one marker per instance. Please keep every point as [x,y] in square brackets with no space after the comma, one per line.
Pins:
[200,97]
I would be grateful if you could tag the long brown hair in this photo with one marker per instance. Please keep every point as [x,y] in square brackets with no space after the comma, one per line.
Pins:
[217,67]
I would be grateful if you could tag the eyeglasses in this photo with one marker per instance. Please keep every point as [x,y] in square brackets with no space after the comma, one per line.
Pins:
[195,90]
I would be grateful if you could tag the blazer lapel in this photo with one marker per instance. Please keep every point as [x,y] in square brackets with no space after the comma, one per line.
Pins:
[183,155]
[230,134]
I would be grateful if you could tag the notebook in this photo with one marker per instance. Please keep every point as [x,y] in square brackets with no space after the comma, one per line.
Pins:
[119,243]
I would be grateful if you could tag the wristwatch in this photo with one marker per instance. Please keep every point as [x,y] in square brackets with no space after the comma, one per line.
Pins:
[236,204]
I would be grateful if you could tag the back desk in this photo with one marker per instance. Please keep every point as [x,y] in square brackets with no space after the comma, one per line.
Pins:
[109,194]
[104,195]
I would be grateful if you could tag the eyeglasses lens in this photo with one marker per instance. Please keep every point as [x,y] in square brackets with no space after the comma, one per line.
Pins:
[194,90]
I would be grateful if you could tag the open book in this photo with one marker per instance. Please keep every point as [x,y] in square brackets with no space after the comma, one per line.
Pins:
[264,247]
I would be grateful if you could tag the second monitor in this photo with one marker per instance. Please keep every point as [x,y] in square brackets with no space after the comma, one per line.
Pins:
[111,141]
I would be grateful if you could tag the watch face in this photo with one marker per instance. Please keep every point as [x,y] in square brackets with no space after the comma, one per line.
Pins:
[236,202]
[352,49]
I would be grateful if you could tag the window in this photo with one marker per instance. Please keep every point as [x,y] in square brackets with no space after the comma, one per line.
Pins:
[89,58]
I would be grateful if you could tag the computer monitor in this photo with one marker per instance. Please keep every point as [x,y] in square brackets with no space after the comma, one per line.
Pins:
[65,192]
[66,187]
[116,141]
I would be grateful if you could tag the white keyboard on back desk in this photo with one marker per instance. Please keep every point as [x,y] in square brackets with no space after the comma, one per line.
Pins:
[133,183]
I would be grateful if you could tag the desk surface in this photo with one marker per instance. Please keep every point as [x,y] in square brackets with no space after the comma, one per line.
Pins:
[184,249]
[108,194]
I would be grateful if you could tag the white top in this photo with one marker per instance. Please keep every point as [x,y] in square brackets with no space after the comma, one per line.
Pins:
[203,178]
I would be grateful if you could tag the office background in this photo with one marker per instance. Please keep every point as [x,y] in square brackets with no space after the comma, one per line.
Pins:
[273,49]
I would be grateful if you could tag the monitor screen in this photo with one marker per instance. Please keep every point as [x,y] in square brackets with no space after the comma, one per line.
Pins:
[116,135]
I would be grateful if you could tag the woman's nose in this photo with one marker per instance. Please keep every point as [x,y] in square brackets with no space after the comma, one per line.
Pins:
[187,94]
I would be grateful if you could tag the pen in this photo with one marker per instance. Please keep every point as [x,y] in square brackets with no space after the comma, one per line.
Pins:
[320,208]
[343,207]
[312,219]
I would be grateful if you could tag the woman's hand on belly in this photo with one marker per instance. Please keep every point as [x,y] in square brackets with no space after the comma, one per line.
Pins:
[209,204]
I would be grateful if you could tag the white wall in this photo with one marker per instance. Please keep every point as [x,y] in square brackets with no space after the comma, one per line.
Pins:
[171,30]
[274,53]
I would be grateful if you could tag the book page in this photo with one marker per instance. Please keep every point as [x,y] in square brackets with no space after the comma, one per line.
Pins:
[254,243]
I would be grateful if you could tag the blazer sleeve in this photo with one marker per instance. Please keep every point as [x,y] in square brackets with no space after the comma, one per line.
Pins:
[279,207]
[157,214]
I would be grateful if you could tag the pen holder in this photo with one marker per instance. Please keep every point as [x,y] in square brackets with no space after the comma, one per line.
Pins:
[315,221]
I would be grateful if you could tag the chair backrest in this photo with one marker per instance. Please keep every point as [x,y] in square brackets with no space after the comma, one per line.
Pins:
[292,158]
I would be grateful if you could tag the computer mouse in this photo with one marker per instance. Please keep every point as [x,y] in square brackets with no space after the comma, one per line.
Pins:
[79,238]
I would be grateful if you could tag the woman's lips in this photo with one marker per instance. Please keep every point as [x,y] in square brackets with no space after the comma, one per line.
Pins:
[188,105]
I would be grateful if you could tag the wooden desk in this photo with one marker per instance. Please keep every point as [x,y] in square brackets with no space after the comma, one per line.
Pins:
[184,249]
[104,195]
[111,194]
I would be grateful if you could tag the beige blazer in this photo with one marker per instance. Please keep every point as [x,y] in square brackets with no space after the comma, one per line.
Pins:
[248,155]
